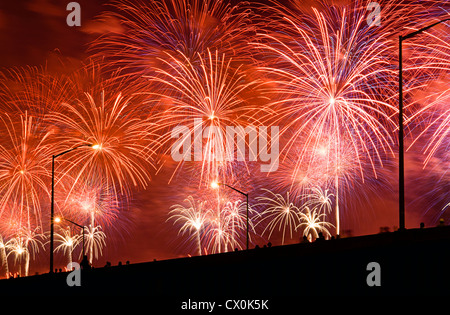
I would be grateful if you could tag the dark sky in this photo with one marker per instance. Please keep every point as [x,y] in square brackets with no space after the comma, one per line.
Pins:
[32,31]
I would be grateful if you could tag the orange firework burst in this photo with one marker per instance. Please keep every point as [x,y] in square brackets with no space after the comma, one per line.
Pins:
[200,103]
[118,130]
[25,153]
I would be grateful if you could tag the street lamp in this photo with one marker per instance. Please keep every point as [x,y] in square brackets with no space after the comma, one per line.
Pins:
[215,185]
[94,146]
[400,130]
[58,219]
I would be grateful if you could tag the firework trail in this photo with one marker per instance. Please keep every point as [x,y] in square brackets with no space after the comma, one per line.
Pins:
[90,203]
[331,175]
[228,207]
[217,236]
[16,247]
[339,166]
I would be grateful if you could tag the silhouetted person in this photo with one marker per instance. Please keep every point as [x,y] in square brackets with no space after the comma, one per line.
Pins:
[384,229]
[85,265]
[269,244]
[422,225]
[321,237]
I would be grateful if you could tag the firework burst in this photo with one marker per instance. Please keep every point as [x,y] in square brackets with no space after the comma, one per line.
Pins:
[110,122]
[197,105]
[216,224]
[329,73]
[426,99]
[313,223]
[280,212]
[192,219]
[319,199]
[24,159]
[95,242]
[227,225]
[88,202]
[152,30]
[34,90]
[328,81]
[66,242]
[24,246]
[175,75]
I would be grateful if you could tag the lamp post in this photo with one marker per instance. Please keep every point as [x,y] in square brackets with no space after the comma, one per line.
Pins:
[57,219]
[216,185]
[401,180]
[53,197]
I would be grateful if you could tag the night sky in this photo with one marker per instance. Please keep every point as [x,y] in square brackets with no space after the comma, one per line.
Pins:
[35,33]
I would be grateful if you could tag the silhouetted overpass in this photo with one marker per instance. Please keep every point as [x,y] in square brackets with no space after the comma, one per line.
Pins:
[414,261]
